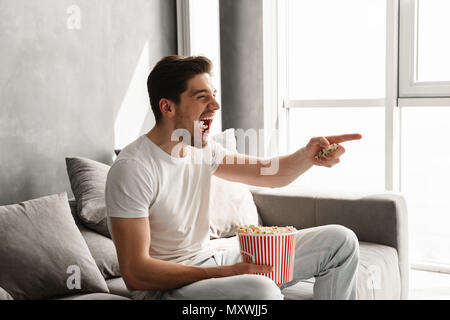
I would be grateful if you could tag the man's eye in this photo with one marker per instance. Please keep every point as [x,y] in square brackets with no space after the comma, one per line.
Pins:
[201,97]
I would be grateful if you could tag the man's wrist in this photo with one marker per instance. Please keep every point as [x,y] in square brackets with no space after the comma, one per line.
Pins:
[218,272]
[301,157]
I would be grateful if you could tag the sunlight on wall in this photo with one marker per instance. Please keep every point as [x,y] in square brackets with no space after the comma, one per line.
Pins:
[135,104]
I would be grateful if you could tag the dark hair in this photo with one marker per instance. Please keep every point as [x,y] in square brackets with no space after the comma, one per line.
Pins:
[170,76]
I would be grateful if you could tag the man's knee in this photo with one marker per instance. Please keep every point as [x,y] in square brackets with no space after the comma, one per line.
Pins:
[345,239]
[257,287]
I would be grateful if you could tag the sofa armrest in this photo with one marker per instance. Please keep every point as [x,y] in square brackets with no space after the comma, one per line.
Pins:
[379,217]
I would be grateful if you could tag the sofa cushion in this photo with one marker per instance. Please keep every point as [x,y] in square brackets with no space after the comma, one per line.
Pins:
[87,180]
[43,254]
[5,295]
[379,273]
[231,202]
[378,276]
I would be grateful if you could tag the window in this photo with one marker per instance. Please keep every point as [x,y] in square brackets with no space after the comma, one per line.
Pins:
[336,49]
[362,165]
[433,51]
[424,49]
[335,53]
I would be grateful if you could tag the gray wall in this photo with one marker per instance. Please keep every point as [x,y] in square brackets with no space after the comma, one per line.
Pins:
[241,43]
[61,89]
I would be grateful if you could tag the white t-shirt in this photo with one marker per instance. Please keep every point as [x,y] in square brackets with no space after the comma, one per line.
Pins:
[173,192]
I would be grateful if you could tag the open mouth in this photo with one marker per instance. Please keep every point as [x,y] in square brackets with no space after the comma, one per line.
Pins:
[205,125]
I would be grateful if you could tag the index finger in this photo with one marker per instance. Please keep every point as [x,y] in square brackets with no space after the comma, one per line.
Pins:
[344,137]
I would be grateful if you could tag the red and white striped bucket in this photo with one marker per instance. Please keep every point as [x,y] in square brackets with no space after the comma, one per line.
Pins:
[276,250]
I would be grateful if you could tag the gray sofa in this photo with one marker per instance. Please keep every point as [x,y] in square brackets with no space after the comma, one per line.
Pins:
[379,221]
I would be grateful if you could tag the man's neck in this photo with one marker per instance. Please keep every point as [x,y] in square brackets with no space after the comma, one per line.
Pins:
[162,138]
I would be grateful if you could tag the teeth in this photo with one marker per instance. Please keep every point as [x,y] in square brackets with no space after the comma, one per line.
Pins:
[203,125]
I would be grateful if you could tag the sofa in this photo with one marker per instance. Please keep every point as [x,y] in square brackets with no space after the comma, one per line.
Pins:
[54,247]
[378,220]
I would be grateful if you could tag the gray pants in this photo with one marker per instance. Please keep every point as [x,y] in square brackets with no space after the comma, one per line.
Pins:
[329,253]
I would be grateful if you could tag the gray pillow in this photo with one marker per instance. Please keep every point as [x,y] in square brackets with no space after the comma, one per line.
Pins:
[5,295]
[88,179]
[103,251]
[43,254]
[102,248]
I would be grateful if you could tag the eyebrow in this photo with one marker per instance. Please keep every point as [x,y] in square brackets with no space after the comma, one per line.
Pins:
[202,91]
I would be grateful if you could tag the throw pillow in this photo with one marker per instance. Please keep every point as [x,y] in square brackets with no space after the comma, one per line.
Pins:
[43,254]
[102,248]
[231,202]
[103,251]
[88,179]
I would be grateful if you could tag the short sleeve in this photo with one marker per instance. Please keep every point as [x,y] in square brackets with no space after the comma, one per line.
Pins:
[129,190]
[217,154]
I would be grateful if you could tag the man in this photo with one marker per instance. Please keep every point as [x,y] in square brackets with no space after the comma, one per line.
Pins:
[158,203]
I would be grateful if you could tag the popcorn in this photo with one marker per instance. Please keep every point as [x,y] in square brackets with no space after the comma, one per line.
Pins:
[325,151]
[252,229]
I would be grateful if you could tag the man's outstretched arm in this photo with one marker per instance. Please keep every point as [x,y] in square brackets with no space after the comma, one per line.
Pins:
[281,171]
[142,272]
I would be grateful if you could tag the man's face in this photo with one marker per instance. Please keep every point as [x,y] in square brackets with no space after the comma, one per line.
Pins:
[196,109]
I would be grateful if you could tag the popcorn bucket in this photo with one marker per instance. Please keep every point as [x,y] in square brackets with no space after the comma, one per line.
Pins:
[276,250]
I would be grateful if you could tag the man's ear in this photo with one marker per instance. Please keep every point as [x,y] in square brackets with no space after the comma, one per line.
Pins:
[167,108]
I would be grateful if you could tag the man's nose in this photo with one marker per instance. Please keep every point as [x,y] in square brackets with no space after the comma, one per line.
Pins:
[214,104]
